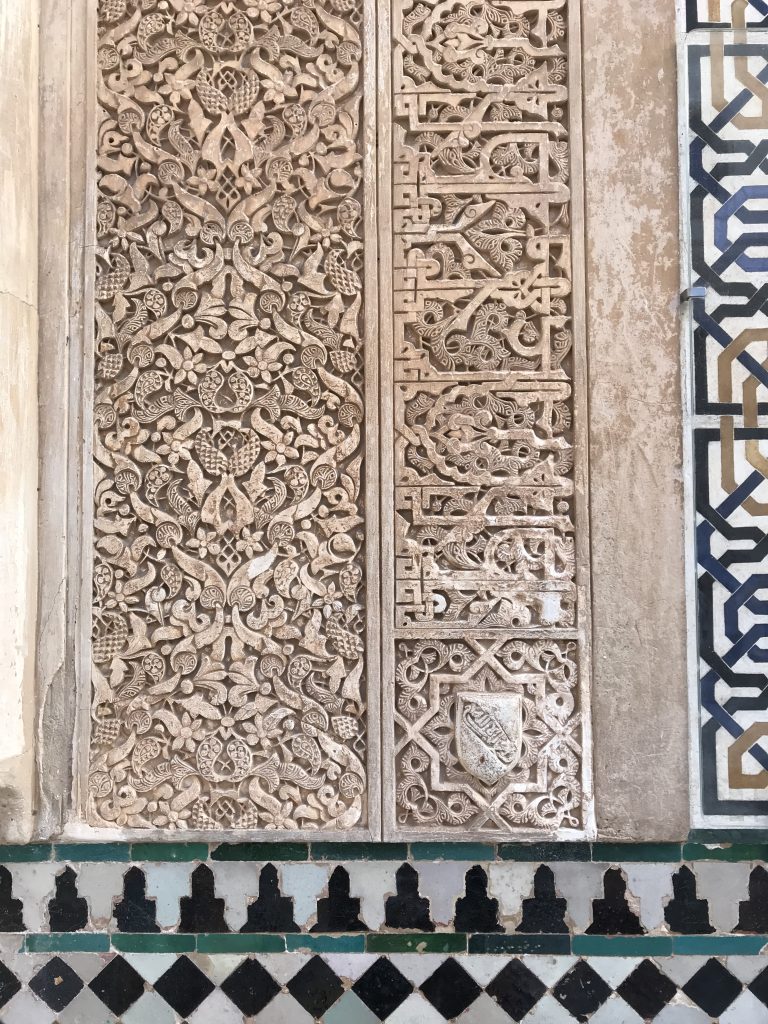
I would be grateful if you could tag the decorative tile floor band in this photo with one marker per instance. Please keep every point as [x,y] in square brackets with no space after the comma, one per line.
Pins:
[728,183]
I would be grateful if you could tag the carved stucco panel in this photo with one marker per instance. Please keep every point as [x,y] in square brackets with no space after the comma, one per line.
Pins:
[230,522]
[236,563]
[486,619]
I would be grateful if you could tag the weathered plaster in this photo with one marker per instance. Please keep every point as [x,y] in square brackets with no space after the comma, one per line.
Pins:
[18,410]
[639,682]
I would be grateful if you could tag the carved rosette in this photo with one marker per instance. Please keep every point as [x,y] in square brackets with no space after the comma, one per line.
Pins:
[486,731]
[229,536]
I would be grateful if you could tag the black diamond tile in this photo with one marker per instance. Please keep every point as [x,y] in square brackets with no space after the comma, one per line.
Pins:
[450,989]
[184,986]
[759,987]
[250,987]
[315,987]
[647,990]
[9,984]
[118,986]
[56,984]
[382,988]
[516,989]
[713,988]
[581,991]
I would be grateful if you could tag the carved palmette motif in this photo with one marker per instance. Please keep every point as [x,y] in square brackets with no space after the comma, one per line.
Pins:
[229,590]
[484,611]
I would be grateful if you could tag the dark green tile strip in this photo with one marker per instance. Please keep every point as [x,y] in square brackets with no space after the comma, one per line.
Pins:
[453,851]
[403,942]
[544,851]
[359,851]
[260,851]
[416,942]
[553,944]
[254,943]
[325,943]
[131,943]
[68,942]
[616,853]
[154,852]
[736,852]
[728,835]
[718,945]
[92,852]
[622,945]
[736,845]
[25,854]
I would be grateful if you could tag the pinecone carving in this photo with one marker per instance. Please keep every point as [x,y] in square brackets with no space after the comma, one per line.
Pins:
[347,644]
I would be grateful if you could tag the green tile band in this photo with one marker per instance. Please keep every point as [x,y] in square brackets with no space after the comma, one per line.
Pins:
[358,851]
[240,943]
[83,852]
[453,851]
[551,944]
[158,852]
[32,853]
[728,836]
[719,945]
[416,942]
[622,945]
[325,943]
[735,845]
[67,942]
[629,853]
[735,852]
[140,943]
[545,851]
[261,851]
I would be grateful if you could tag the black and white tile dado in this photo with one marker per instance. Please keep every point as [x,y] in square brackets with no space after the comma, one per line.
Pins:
[361,988]
[112,934]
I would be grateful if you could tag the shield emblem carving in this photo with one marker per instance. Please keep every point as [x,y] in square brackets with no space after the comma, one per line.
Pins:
[489,733]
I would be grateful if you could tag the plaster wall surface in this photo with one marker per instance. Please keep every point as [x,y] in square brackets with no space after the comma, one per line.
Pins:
[18,408]
[636,498]
[635,409]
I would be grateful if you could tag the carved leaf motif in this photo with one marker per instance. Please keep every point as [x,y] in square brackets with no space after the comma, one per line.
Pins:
[229,273]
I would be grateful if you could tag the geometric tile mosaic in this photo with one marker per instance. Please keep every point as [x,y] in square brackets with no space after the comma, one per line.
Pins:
[542,898]
[727,74]
[531,989]
[418,934]
[726,13]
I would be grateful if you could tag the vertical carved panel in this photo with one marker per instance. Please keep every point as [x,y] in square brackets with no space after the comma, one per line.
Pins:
[230,647]
[485,641]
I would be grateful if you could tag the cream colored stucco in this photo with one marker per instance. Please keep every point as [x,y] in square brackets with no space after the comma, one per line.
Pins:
[18,409]
[636,472]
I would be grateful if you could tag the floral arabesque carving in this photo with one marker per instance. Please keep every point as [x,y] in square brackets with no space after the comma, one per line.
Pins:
[229,509]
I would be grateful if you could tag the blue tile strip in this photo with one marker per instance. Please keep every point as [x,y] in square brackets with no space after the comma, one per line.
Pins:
[727,186]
